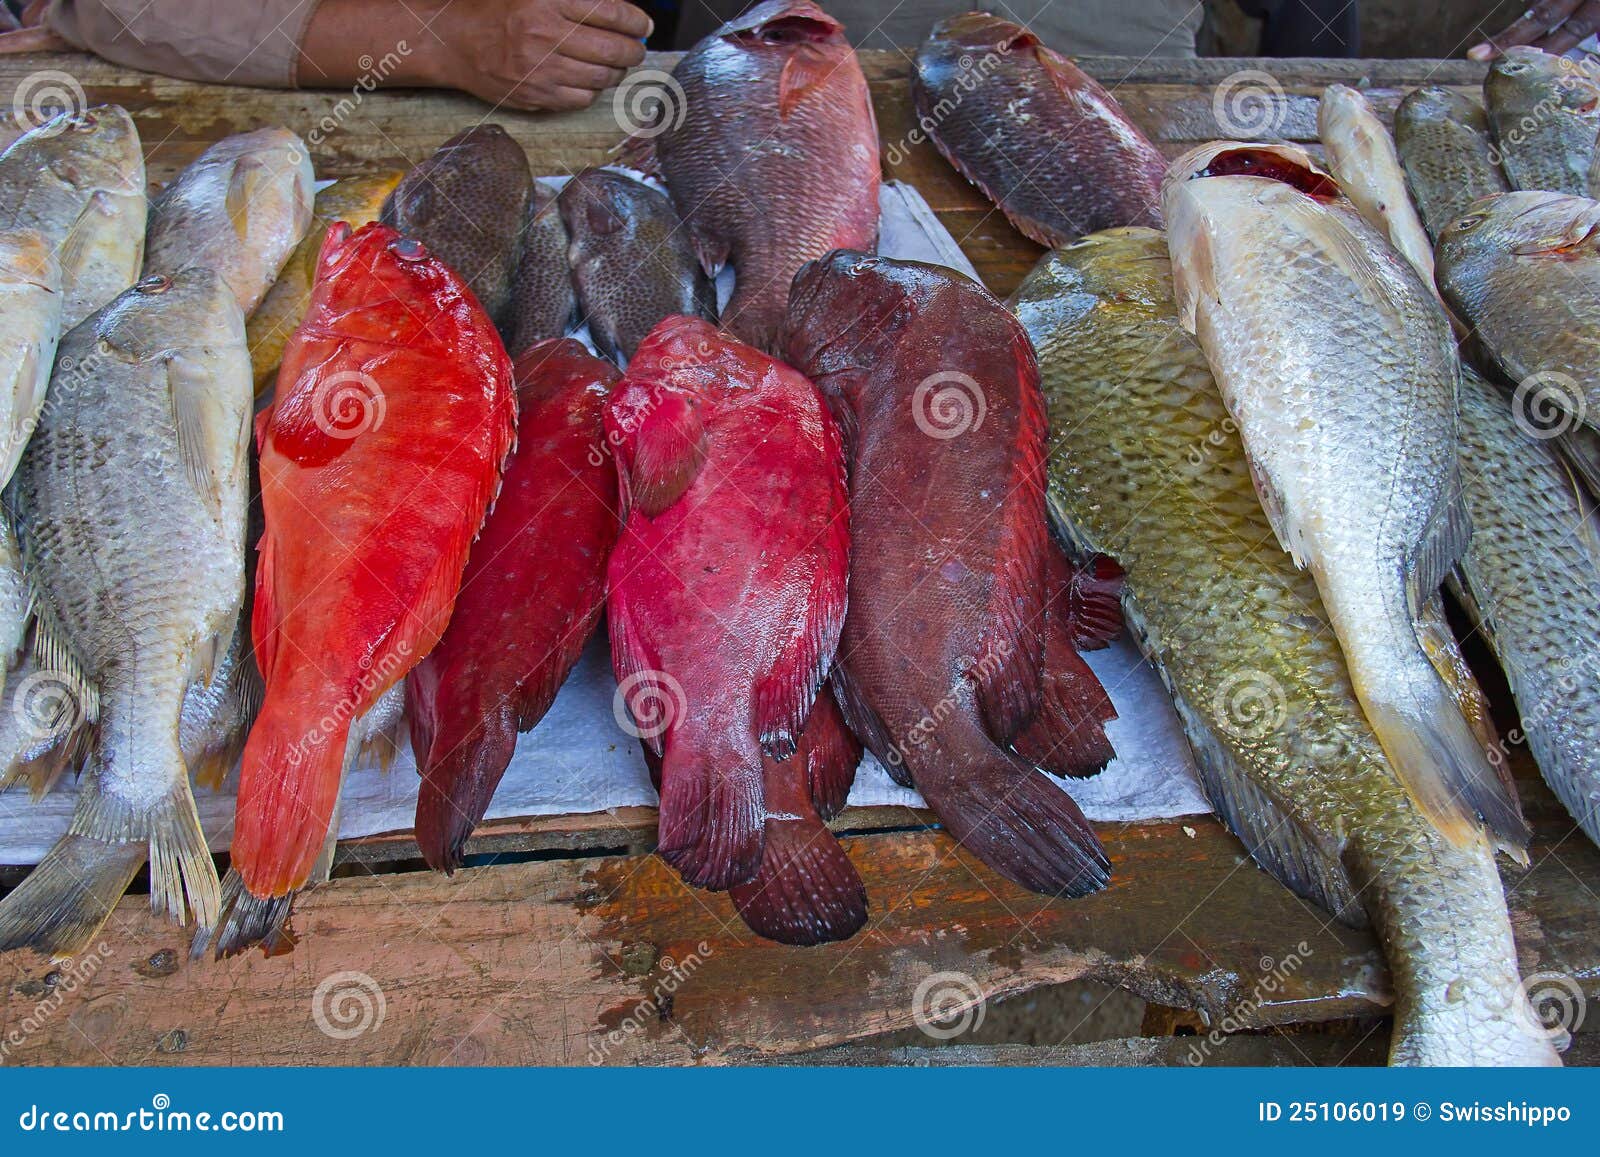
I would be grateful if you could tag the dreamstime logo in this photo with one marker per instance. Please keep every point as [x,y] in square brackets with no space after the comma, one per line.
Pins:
[44,95]
[948,404]
[1273,979]
[947,1005]
[1554,1006]
[1249,104]
[1547,404]
[348,404]
[1250,704]
[647,703]
[649,102]
[48,705]
[347,1005]
[373,74]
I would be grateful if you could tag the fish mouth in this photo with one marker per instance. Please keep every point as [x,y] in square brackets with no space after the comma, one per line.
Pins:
[984,30]
[784,22]
[1282,163]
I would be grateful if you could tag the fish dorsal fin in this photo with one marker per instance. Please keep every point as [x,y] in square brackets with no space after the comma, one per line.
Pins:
[805,70]
[669,448]
[208,444]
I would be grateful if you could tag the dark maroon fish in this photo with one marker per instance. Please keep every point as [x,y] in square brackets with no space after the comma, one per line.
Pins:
[468,203]
[1038,136]
[955,650]
[531,595]
[772,154]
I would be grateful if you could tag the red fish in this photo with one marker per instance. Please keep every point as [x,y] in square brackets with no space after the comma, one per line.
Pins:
[394,411]
[1044,142]
[771,155]
[531,596]
[956,651]
[726,595]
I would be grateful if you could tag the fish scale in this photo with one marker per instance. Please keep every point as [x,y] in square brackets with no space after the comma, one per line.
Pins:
[1146,466]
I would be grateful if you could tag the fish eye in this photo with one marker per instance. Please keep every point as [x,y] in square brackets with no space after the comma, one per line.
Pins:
[408,249]
[85,121]
[157,283]
[1470,221]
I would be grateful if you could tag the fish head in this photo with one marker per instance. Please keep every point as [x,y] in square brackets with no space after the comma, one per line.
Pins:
[1534,225]
[982,32]
[845,311]
[1526,80]
[597,204]
[188,315]
[1432,103]
[1217,193]
[28,258]
[550,364]
[1126,267]
[95,149]
[373,266]
[783,25]
[475,161]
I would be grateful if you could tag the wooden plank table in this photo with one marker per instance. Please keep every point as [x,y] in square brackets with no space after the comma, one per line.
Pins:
[580,947]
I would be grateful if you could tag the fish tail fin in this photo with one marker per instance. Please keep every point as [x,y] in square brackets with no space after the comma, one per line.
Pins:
[712,813]
[1015,820]
[288,784]
[247,920]
[832,755]
[183,876]
[806,891]
[65,901]
[459,777]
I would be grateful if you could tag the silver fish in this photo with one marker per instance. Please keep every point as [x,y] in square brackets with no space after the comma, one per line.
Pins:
[130,507]
[30,325]
[1532,581]
[78,181]
[1339,367]
[240,209]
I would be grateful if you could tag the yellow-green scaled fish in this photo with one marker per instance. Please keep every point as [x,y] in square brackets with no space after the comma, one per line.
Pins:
[1545,112]
[1448,154]
[1145,466]
[1532,575]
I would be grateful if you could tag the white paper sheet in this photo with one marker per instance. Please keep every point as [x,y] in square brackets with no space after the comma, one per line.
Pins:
[579,760]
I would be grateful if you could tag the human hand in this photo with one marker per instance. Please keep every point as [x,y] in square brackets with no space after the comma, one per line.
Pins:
[1553,25]
[537,54]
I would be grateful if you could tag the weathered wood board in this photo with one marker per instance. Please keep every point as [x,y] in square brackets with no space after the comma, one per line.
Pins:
[613,959]
[610,958]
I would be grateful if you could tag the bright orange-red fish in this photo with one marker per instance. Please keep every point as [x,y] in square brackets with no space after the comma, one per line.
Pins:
[394,412]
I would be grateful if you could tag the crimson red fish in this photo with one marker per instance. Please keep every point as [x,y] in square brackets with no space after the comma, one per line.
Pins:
[531,596]
[379,458]
[726,595]
[771,155]
[956,653]
[1051,148]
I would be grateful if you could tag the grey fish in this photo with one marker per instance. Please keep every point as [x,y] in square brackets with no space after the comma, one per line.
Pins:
[1340,369]
[78,181]
[468,202]
[1523,270]
[1146,466]
[1448,154]
[30,326]
[1545,112]
[543,300]
[130,508]
[1532,576]
[631,258]
[240,209]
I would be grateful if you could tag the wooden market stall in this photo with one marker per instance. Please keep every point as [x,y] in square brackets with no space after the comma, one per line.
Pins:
[581,947]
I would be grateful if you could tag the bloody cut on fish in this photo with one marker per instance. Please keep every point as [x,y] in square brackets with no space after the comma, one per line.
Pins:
[726,595]
[533,590]
[771,155]
[958,663]
[1050,147]
[379,459]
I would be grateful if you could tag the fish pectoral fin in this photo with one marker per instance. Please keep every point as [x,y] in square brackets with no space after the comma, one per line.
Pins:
[785,693]
[669,449]
[1094,603]
[805,70]
[1275,839]
[208,443]
[1442,546]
